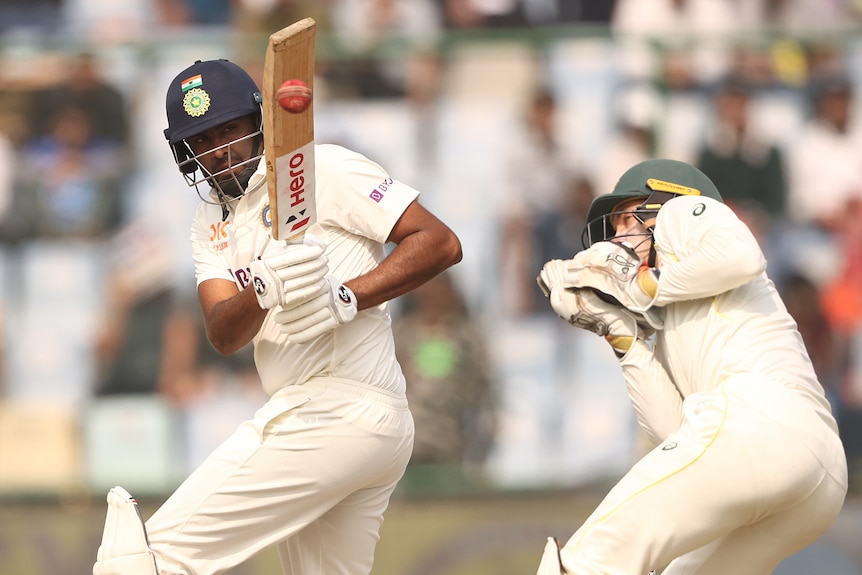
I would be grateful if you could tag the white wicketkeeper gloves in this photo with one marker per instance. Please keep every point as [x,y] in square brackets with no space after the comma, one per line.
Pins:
[584,308]
[616,270]
[287,275]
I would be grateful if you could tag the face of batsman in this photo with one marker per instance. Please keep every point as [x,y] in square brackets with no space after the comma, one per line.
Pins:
[228,154]
[214,126]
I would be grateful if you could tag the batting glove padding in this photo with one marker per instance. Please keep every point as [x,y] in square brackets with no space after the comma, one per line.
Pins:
[304,322]
[290,274]
[615,270]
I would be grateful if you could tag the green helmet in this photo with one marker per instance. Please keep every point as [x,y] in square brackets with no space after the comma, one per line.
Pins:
[656,181]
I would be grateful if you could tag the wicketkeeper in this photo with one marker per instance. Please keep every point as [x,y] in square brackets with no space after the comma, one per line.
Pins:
[748,467]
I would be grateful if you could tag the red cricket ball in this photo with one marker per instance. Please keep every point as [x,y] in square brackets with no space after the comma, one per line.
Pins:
[294,96]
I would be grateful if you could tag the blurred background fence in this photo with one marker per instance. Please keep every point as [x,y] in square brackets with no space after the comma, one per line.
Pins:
[509,117]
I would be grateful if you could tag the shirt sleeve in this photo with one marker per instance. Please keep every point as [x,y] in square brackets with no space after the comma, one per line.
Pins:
[656,400]
[359,195]
[208,265]
[704,249]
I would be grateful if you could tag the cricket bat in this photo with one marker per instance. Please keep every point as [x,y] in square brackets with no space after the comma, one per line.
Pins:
[289,137]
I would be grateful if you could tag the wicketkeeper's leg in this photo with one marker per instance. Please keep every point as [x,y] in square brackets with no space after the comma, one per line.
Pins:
[551,564]
[125,549]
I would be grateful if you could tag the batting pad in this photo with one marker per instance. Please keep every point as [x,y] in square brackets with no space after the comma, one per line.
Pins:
[124,549]
[550,563]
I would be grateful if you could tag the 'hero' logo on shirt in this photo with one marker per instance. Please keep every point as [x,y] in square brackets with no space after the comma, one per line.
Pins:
[377,193]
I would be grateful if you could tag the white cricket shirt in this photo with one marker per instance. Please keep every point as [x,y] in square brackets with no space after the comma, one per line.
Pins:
[722,317]
[358,204]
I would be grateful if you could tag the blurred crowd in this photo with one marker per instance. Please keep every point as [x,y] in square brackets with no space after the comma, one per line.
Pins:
[515,113]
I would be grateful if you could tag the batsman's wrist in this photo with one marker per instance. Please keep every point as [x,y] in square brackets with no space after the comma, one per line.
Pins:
[344,304]
[265,286]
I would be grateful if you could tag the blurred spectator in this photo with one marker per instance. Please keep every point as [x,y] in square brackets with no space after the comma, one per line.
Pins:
[71,181]
[478,14]
[842,295]
[109,22]
[557,234]
[824,161]
[85,88]
[379,38]
[538,170]
[684,44]
[798,18]
[195,12]
[586,11]
[7,177]
[637,109]
[443,353]
[255,20]
[139,320]
[746,168]
[23,14]
[151,338]
[827,348]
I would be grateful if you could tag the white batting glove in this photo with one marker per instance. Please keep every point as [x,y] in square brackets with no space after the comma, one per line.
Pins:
[303,323]
[289,274]
[585,308]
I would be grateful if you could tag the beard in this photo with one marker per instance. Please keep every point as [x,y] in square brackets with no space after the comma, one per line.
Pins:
[234,185]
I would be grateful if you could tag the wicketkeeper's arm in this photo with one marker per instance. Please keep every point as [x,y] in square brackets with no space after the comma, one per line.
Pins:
[654,396]
[704,253]
[656,400]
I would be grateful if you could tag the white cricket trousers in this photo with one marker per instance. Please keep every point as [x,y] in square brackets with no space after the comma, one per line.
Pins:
[311,473]
[756,473]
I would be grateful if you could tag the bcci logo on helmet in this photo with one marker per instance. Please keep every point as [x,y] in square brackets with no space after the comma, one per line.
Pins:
[196,102]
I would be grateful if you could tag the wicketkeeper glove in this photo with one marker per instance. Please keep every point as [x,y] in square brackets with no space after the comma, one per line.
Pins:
[615,270]
[304,322]
[585,308]
[287,275]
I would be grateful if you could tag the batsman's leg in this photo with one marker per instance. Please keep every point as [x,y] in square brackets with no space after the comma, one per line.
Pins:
[124,549]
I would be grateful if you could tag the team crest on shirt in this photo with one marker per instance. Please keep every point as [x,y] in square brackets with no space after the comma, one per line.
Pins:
[266,217]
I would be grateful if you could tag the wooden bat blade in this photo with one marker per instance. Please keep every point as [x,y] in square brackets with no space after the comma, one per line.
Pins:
[289,138]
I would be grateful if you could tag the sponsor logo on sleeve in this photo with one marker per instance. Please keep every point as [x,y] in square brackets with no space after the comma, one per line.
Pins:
[381,189]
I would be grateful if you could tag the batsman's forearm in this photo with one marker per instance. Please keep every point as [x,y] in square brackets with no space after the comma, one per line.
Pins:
[418,258]
[232,323]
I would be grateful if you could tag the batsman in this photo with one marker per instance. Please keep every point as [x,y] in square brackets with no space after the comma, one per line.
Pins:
[747,467]
[311,473]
